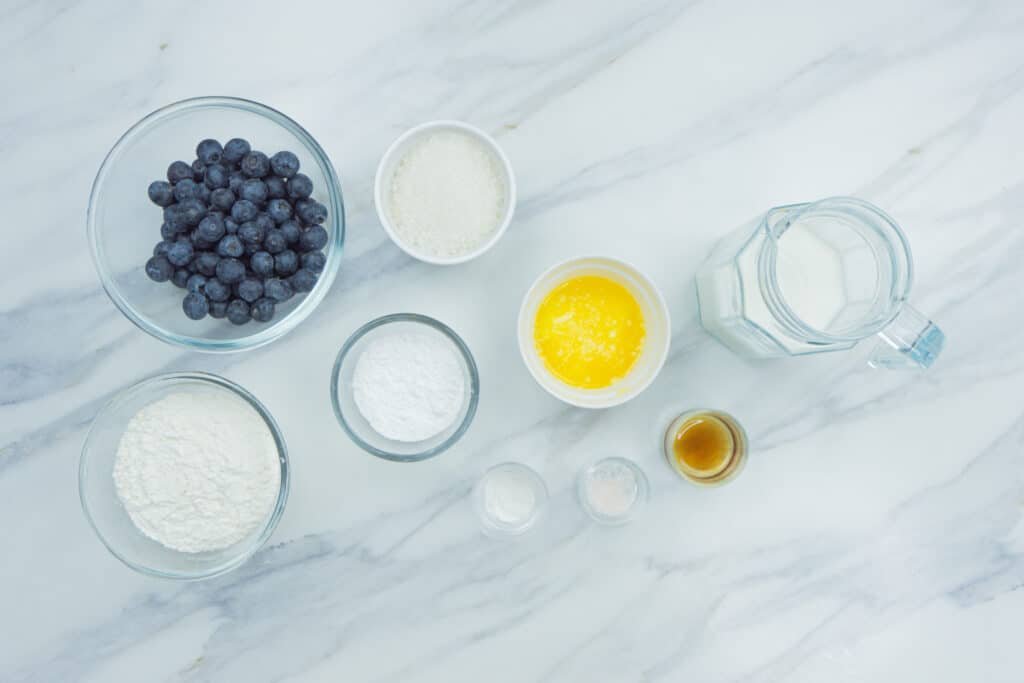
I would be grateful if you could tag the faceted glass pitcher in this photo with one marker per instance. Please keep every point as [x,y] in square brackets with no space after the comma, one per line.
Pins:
[816,277]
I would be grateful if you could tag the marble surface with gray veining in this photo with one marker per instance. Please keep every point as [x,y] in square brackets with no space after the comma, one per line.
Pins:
[877,533]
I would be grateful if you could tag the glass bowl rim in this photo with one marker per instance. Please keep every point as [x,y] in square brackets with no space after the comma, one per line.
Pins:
[262,336]
[467,356]
[282,452]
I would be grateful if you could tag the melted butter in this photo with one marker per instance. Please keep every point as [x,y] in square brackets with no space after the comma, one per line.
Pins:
[589,331]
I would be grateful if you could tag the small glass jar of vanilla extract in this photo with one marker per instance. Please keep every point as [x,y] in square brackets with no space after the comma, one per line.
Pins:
[706,447]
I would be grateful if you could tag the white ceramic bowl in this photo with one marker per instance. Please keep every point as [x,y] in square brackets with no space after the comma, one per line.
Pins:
[656,322]
[393,156]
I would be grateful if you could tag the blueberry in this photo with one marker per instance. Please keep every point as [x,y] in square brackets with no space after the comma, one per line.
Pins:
[159,269]
[285,164]
[313,238]
[262,264]
[279,209]
[277,289]
[167,232]
[199,243]
[303,280]
[185,189]
[198,171]
[217,290]
[203,193]
[180,253]
[222,199]
[238,312]
[161,193]
[180,277]
[218,309]
[230,271]
[161,247]
[195,305]
[195,283]
[249,289]
[255,164]
[244,210]
[314,261]
[235,180]
[235,149]
[265,222]
[209,151]
[276,188]
[251,248]
[230,226]
[193,211]
[178,171]
[291,231]
[206,263]
[250,233]
[216,177]
[255,190]
[286,263]
[300,186]
[211,229]
[274,241]
[230,246]
[310,211]
[262,310]
[174,218]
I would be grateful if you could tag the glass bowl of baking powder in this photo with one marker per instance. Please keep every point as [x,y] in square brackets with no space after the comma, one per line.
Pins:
[405,387]
[183,476]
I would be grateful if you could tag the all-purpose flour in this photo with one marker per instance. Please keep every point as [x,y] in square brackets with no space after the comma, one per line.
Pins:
[197,470]
[409,386]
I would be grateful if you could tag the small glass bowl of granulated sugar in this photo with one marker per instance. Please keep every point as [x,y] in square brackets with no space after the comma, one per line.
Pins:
[445,192]
[405,387]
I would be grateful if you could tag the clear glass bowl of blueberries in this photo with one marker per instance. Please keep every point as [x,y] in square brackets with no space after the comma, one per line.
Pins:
[216,224]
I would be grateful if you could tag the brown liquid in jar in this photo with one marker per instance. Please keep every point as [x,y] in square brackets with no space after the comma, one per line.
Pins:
[707,447]
[704,445]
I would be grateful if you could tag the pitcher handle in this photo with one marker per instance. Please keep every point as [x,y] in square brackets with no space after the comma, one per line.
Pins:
[910,341]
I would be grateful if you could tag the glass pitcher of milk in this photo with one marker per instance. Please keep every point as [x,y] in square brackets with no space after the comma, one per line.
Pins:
[815,277]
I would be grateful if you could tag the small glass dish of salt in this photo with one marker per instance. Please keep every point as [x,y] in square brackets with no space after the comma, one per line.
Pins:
[612,490]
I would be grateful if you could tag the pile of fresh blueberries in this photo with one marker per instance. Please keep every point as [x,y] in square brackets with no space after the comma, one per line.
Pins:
[240,231]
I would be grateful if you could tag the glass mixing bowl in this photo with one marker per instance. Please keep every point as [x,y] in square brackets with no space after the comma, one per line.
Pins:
[107,515]
[356,426]
[124,225]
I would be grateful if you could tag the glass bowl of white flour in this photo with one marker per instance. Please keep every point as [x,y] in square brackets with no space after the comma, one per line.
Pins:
[183,476]
[405,387]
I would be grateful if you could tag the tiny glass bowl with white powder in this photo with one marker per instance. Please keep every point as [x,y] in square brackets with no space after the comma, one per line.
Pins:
[183,476]
[405,387]
[509,499]
[612,490]
[445,192]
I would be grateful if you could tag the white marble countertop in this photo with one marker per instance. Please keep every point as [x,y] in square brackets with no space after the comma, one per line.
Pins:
[876,534]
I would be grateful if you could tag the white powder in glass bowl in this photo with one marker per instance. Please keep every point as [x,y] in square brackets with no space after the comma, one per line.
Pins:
[610,489]
[197,471]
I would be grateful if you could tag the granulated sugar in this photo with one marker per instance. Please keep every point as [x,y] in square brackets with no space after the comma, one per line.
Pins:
[447,195]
